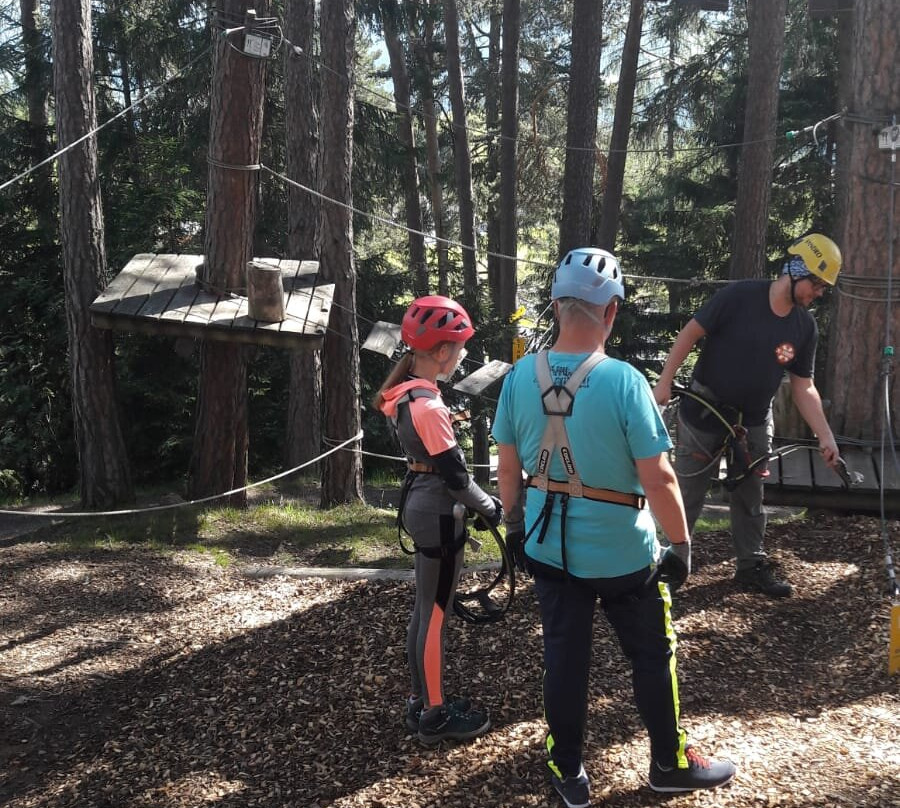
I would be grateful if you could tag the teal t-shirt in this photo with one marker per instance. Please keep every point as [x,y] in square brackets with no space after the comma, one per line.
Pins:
[614,421]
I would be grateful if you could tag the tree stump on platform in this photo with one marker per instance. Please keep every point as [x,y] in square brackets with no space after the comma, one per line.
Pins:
[265,292]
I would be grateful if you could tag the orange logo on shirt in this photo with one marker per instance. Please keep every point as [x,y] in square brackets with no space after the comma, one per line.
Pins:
[784,353]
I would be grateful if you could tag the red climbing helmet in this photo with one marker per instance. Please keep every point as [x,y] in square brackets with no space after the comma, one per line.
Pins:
[433,319]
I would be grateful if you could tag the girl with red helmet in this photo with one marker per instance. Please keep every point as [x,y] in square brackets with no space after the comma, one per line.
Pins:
[435,328]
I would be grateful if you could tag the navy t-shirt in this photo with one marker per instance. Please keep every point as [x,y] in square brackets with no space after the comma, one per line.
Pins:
[748,348]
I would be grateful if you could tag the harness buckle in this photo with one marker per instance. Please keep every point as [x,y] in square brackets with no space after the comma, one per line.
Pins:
[553,395]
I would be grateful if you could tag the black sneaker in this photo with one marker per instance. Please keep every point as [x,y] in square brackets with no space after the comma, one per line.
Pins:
[574,790]
[701,772]
[450,723]
[760,578]
[414,707]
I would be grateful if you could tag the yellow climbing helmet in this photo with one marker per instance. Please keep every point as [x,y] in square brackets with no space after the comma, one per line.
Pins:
[820,254]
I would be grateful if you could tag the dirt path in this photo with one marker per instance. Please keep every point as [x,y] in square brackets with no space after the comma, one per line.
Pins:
[130,677]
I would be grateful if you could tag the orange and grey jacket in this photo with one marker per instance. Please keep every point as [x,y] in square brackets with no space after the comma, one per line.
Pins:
[423,426]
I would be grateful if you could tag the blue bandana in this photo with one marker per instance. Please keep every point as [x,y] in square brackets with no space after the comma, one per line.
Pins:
[796,268]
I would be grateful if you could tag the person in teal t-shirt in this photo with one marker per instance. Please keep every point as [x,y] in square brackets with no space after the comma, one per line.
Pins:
[585,432]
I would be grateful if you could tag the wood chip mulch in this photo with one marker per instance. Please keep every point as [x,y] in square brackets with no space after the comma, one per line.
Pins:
[131,677]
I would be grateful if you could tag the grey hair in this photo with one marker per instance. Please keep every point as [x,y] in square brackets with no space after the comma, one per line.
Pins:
[573,306]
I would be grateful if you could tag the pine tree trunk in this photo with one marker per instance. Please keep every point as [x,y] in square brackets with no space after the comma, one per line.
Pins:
[341,471]
[766,23]
[581,126]
[36,85]
[104,475]
[492,164]
[463,170]
[509,132]
[618,145]
[861,329]
[303,430]
[219,460]
[432,146]
[400,76]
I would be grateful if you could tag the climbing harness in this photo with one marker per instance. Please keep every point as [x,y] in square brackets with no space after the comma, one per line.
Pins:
[558,402]
[490,597]
[738,462]
[492,594]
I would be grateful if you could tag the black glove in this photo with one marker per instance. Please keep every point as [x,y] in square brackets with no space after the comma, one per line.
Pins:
[515,544]
[483,522]
[675,564]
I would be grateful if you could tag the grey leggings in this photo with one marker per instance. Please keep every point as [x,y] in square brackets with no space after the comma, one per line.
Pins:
[436,579]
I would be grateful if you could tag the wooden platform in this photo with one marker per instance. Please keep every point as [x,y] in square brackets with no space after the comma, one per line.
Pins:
[802,478]
[159,294]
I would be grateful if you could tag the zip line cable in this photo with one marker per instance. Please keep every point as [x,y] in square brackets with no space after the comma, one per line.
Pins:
[106,123]
[399,226]
[298,51]
[153,508]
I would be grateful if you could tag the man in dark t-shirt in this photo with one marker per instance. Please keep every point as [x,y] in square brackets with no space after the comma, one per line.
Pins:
[755,330]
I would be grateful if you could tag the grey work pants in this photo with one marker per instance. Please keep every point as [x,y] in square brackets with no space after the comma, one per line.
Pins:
[695,451]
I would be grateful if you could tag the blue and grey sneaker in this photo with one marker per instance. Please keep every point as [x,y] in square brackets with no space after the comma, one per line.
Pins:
[449,722]
[575,790]
[701,772]
[415,705]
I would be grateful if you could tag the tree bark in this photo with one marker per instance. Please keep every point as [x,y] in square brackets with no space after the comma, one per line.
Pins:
[861,329]
[751,211]
[432,146]
[509,134]
[492,165]
[462,158]
[36,85]
[219,460]
[303,430]
[465,197]
[618,145]
[581,126]
[104,475]
[341,471]
[406,136]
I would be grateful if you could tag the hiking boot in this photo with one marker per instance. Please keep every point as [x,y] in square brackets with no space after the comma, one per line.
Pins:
[449,722]
[760,578]
[574,790]
[701,772]
[415,705]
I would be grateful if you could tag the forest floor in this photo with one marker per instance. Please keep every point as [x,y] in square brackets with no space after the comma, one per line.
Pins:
[143,677]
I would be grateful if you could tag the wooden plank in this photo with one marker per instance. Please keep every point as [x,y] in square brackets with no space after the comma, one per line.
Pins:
[795,470]
[861,461]
[824,477]
[181,304]
[118,288]
[304,276]
[181,272]
[887,472]
[314,305]
[144,285]
[223,312]
[158,294]
[308,302]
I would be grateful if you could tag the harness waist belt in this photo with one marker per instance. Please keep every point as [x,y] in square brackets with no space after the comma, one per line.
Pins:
[596,494]
[421,468]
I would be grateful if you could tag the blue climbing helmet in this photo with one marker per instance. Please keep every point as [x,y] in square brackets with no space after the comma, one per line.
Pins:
[589,274]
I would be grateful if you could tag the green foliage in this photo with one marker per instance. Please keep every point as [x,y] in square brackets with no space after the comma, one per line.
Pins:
[676,218]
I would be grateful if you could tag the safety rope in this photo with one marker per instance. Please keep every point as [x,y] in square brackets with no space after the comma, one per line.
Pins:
[189,503]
